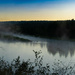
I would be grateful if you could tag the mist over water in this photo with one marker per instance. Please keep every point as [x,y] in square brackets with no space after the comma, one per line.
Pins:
[51,49]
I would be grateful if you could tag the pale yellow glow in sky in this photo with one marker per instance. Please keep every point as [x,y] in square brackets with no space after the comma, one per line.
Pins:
[64,12]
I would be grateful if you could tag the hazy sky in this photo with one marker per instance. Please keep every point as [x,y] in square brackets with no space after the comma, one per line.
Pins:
[14,10]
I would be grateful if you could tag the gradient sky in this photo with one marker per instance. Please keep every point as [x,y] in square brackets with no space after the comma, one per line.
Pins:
[18,10]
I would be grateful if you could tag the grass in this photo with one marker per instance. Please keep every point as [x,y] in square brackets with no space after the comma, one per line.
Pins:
[16,67]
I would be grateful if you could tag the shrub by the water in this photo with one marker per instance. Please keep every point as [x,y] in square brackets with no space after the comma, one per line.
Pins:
[17,67]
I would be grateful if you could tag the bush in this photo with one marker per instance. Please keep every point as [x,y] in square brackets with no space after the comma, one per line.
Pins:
[34,68]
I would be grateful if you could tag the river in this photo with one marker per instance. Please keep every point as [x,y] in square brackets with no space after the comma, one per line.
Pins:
[52,50]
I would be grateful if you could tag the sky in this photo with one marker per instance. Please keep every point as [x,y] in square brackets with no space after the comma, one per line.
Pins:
[25,10]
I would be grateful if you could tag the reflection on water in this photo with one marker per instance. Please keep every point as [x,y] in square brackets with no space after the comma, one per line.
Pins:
[11,50]
[51,50]
[64,48]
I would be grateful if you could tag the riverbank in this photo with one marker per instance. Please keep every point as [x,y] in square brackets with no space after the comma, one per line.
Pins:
[58,30]
[50,29]
[13,38]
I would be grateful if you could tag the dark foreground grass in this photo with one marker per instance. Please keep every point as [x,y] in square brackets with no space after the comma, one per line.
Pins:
[16,67]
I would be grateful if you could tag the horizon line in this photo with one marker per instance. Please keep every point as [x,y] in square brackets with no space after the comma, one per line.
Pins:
[35,20]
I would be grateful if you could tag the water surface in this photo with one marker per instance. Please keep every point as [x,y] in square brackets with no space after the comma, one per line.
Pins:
[52,50]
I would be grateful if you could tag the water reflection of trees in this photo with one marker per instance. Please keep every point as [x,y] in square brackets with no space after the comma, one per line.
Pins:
[41,44]
[63,48]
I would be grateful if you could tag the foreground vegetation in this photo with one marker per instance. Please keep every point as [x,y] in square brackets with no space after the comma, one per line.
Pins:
[17,67]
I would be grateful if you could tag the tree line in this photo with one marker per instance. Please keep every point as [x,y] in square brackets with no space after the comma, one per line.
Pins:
[48,29]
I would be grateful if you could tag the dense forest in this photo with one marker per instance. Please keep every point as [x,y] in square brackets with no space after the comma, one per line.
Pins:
[48,29]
